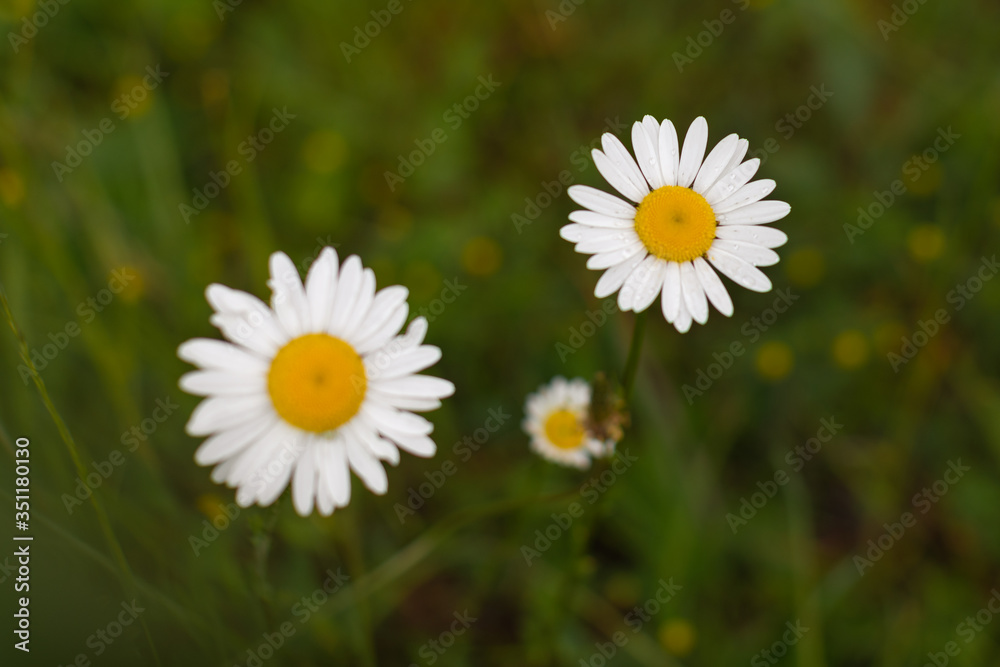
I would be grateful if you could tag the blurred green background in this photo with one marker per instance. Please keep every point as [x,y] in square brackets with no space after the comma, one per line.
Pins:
[566,73]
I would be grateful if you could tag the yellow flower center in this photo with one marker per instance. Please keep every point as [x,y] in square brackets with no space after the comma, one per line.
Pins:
[675,223]
[317,382]
[564,430]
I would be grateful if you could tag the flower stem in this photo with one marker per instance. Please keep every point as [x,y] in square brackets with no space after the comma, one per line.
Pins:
[634,352]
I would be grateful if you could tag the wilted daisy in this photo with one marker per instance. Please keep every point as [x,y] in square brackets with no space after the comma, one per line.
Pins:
[557,419]
[316,385]
[694,212]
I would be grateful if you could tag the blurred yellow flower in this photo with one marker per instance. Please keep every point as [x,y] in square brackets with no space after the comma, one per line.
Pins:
[774,360]
[393,222]
[482,256]
[925,242]
[927,182]
[850,349]
[324,151]
[805,266]
[677,636]
[11,187]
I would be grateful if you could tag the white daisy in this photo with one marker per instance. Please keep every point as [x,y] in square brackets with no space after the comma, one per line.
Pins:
[691,208]
[312,387]
[556,419]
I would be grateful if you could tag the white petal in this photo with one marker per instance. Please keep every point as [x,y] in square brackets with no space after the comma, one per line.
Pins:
[377,445]
[216,354]
[348,290]
[207,383]
[645,142]
[230,442]
[606,260]
[334,472]
[367,467]
[416,385]
[386,302]
[384,333]
[768,237]
[219,413]
[738,270]
[249,467]
[714,164]
[288,298]
[693,152]
[572,232]
[277,472]
[383,365]
[669,153]
[591,219]
[759,213]
[741,151]
[694,295]
[748,194]
[748,252]
[615,177]
[732,181]
[615,277]
[388,420]
[404,402]
[255,332]
[606,241]
[671,299]
[683,321]
[601,202]
[618,154]
[304,481]
[321,287]
[418,445]
[366,297]
[651,287]
[714,289]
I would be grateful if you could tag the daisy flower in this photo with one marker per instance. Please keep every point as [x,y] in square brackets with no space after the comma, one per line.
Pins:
[694,212]
[557,417]
[316,385]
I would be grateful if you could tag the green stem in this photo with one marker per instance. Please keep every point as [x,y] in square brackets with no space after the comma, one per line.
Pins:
[125,572]
[634,352]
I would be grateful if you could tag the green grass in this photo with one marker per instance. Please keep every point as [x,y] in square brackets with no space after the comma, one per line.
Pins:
[521,293]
